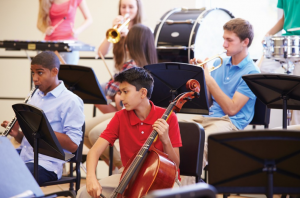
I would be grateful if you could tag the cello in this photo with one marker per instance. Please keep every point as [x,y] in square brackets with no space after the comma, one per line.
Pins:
[150,169]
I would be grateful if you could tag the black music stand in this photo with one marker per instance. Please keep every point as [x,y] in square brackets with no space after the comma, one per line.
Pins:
[278,91]
[170,80]
[15,176]
[83,82]
[255,162]
[39,134]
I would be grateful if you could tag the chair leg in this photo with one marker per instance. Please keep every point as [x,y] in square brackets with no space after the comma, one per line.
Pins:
[226,195]
[78,177]
[205,173]
[111,155]
[71,175]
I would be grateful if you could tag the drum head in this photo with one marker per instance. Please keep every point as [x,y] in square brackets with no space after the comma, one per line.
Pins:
[209,39]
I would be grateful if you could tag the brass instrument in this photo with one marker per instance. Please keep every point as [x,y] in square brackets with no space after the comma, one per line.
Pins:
[113,35]
[14,120]
[210,59]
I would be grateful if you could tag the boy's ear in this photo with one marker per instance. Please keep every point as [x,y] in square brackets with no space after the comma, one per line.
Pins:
[54,71]
[144,92]
[246,41]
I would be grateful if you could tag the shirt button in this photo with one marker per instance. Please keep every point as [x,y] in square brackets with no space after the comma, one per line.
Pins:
[141,123]
[142,132]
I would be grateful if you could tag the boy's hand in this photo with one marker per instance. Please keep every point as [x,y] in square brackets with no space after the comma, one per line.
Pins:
[14,131]
[93,187]
[162,128]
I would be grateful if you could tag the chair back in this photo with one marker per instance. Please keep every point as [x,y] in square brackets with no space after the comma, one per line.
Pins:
[191,152]
[261,114]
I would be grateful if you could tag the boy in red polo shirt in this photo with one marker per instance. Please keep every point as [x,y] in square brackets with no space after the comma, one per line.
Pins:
[132,126]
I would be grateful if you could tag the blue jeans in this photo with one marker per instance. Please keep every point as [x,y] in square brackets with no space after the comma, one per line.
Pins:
[44,175]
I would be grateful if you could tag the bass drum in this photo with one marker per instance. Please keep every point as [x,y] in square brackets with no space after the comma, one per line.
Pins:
[183,34]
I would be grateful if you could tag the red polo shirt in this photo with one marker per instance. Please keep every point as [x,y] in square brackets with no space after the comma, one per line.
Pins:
[132,132]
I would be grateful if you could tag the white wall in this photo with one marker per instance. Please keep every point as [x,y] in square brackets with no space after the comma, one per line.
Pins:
[18,22]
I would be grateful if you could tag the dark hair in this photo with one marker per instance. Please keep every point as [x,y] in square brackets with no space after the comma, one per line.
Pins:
[46,59]
[138,77]
[118,48]
[140,45]
[242,28]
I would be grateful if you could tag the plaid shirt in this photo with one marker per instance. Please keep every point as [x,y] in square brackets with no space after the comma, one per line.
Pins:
[112,87]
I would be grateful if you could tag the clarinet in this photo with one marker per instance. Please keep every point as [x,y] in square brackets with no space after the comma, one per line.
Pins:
[14,120]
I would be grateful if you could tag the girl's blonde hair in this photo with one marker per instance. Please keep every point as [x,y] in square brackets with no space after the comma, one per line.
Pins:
[43,16]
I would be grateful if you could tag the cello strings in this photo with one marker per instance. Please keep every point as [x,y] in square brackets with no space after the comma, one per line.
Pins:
[142,152]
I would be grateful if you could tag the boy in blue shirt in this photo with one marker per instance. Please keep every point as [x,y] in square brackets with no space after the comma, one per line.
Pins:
[63,109]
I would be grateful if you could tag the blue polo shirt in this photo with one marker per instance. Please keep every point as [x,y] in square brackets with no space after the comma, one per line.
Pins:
[64,111]
[229,79]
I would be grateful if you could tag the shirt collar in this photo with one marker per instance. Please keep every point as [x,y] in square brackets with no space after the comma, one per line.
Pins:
[242,64]
[151,118]
[56,91]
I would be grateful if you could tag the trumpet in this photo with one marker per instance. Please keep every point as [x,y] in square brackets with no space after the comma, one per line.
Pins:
[113,35]
[213,58]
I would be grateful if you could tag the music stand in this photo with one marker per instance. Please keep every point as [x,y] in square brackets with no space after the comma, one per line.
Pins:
[170,80]
[278,91]
[39,134]
[83,82]
[15,176]
[255,162]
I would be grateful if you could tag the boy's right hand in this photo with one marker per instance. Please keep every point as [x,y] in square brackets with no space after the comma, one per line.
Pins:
[93,187]
[14,131]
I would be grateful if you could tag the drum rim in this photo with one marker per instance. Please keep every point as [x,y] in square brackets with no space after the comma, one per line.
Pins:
[282,37]
[162,23]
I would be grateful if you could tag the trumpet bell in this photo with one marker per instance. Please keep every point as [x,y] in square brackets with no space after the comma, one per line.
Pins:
[113,35]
